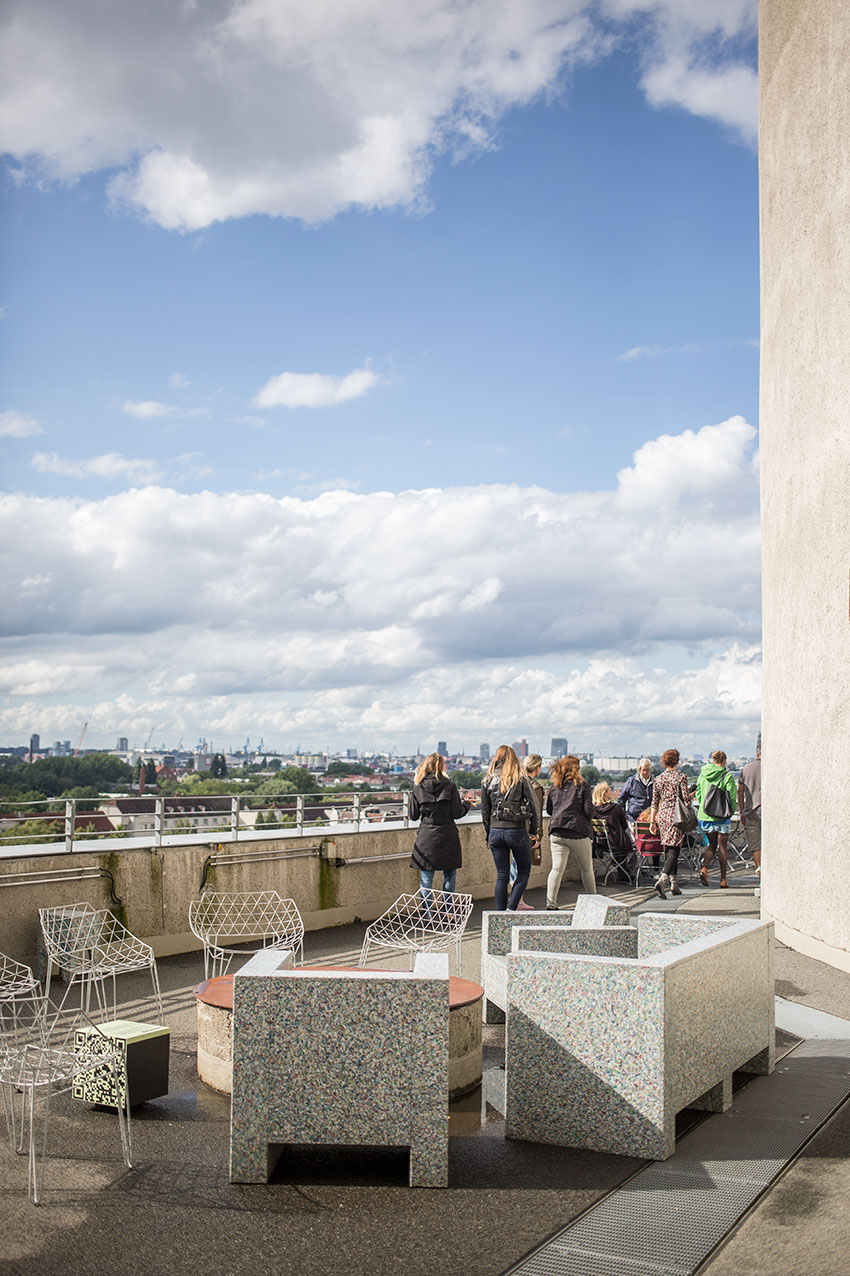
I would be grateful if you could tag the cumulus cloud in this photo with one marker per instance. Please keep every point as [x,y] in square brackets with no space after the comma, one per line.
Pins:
[363,94]
[357,599]
[314,389]
[110,465]
[147,409]
[17,425]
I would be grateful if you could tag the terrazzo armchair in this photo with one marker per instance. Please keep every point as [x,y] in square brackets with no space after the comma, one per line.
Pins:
[603,1051]
[340,1057]
[592,912]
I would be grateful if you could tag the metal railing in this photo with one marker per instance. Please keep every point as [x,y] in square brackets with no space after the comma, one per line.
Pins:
[63,824]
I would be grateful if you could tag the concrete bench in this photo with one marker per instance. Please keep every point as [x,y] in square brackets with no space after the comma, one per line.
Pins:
[340,1057]
[497,929]
[603,1050]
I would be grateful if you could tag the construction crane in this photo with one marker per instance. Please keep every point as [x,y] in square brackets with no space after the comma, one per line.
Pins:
[79,743]
[147,743]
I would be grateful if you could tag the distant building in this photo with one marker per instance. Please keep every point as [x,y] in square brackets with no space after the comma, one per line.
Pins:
[604,763]
[35,743]
[520,748]
[441,748]
[484,752]
[559,747]
[351,753]
[122,744]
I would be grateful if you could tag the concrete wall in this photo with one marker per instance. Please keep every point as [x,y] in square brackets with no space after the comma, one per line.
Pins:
[156,885]
[805,460]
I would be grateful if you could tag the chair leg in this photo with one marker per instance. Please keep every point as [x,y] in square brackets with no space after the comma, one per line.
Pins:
[35,1186]
[364,952]
[123,1110]
[157,993]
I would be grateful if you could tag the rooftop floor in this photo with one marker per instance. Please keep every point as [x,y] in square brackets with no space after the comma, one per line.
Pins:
[335,1213]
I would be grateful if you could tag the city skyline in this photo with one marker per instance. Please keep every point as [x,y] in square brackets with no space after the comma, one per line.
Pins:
[434,416]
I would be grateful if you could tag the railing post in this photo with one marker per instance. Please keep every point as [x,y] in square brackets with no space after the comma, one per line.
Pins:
[299,814]
[70,812]
[234,817]
[405,809]
[357,812]
[158,819]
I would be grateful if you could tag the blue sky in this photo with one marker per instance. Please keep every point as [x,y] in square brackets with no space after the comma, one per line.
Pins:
[568,294]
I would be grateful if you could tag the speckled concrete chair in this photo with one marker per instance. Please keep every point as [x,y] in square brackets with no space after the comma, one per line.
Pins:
[603,1050]
[592,912]
[340,1057]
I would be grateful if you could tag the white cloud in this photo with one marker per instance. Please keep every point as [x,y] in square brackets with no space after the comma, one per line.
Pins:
[179,381]
[17,425]
[109,465]
[652,352]
[363,94]
[417,602]
[147,409]
[314,389]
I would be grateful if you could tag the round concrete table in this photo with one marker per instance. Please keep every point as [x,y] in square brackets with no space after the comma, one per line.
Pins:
[215,1031]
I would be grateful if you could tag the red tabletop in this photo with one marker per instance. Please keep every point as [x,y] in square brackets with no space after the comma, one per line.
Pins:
[219,991]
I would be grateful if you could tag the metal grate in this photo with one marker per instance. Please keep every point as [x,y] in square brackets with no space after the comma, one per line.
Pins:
[671,1216]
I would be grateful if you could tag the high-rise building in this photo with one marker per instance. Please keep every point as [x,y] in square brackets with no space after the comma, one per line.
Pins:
[520,748]
[122,744]
[559,747]
[441,747]
[484,752]
[35,743]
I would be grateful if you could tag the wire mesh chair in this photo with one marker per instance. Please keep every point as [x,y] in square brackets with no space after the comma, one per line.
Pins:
[603,849]
[16,979]
[45,1050]
[91,945]
[429,922]
[220,918]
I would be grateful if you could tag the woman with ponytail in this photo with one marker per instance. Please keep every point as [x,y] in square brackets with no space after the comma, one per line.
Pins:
[570,808]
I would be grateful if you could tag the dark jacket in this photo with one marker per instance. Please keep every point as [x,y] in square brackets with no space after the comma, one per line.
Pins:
[570,810]
[490,795]
[616,823]
[635,796]
[438,804]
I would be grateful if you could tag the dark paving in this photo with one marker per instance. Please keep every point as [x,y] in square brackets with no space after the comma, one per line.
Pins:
[350,1211]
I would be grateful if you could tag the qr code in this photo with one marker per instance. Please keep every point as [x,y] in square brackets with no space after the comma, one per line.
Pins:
[97,1083]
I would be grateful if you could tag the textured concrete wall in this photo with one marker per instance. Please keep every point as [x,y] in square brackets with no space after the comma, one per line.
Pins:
[805,459]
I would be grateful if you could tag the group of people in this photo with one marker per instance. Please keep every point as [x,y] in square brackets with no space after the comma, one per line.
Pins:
[513,801]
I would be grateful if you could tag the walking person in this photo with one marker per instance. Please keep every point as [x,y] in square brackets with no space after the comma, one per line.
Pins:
[667,787]
[508,807]
[749,804]
[532,766]
[435,801]
[570,808]
[716,796]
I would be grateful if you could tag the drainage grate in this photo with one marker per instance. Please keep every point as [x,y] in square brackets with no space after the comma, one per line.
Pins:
[671,1216]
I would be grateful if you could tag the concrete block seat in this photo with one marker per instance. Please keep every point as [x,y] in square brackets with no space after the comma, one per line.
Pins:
[340,1057]
[603,1050]
[591,913]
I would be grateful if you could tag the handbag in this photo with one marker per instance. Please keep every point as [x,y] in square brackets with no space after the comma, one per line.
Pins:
[684,815]
[716,803]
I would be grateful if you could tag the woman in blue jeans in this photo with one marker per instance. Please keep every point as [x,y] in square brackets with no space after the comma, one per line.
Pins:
[508,808]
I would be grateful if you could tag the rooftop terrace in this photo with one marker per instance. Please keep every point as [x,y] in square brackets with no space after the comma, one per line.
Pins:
[351,1211]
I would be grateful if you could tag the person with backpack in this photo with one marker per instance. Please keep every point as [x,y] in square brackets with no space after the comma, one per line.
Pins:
[508,810]
[570,807]
[716,795]
[435,801]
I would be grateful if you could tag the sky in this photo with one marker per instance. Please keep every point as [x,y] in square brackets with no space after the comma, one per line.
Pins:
[378,374]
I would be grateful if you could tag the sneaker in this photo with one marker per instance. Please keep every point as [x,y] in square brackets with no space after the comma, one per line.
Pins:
[552,908]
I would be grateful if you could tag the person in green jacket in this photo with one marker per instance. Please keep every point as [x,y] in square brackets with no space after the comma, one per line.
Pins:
[714,784]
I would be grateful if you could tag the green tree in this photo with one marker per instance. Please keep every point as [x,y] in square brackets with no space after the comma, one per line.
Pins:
[53,776]
[467,779]
[218,766]
[591,774]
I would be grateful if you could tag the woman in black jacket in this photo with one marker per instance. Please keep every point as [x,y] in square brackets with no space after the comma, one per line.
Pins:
[617,827]
[508,809]
[570,810]
[436,801]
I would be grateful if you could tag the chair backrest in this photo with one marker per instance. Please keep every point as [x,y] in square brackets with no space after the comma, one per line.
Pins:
[600,833]
[437,913]
[596,910]
[15,977]
[70,932]
[239,915]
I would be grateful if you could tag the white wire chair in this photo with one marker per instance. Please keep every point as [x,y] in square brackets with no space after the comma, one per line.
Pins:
[45,1050]
[428,922]
[16,979]
[91,945]
[222,918]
